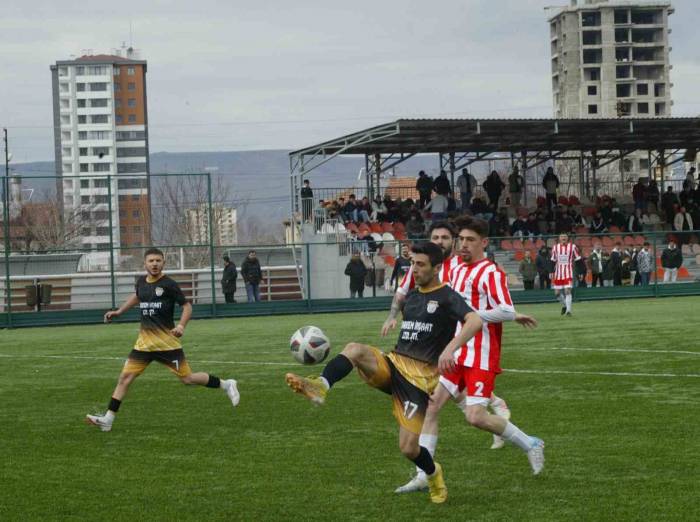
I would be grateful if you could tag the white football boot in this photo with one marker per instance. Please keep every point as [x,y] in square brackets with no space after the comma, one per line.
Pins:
[101,421]
[417,483]
[536,455]
[231,387]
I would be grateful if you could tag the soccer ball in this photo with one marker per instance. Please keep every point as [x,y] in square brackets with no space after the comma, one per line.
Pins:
[309,345]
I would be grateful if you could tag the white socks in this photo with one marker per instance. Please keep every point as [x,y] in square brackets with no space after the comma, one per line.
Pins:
[429,442]
[568,302]
[515,435]
[561,299]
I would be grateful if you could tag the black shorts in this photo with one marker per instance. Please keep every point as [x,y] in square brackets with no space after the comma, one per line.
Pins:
[175,360]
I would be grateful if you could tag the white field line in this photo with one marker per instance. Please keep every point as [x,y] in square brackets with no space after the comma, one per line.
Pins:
[626,350]
[266,363]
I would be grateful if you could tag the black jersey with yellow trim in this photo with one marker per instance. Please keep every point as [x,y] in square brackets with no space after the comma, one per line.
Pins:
[429,322]
[157,300]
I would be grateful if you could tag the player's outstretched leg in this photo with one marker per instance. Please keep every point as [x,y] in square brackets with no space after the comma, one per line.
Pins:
[230,386]
[421,457]
[479,417]
[500,408]
[316,388]
[105,421]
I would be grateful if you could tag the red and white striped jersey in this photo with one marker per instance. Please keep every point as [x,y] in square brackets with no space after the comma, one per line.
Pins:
[484,286]
[448,266]
[564,257]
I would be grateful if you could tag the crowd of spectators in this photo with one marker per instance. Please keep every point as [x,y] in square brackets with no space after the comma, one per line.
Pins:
[498,200]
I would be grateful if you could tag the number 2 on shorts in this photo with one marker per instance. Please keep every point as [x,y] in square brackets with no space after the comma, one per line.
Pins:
[479,392]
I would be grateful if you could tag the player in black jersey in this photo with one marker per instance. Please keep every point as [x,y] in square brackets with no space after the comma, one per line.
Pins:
[159,337]
[410,372]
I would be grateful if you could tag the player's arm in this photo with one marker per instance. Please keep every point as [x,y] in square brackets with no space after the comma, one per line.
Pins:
[396,306]
[471,326]
[502,308]
[179,329]
[132,300]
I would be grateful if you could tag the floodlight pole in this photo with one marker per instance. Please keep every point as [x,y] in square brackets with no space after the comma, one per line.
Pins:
[6,229]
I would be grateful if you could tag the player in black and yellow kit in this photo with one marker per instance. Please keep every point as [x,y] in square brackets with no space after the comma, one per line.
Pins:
[410,372]
[159,338]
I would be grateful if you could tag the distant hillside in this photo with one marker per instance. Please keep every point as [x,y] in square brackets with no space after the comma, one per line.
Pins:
[259,177]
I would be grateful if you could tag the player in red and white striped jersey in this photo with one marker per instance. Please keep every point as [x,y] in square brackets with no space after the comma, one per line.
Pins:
[471,373]
[564,254]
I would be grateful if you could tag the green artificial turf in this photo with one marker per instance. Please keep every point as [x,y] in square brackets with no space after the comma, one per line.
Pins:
[614,391]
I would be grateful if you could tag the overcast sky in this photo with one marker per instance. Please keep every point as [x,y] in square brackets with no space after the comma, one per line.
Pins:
[273,74]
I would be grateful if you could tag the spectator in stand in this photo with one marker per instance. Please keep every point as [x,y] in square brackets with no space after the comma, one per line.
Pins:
[481,210]
[516,185]
[652,195]
[466,183]
[349,209]
[528,271]
[519,228]
[639,194]
[442,184]
[365,209]
[635,223]
[645,264]
[683,224]
[606,212]
[580,272]
[252,275]
[401,265]
[545,267]
[636,278]
[307,200]
[437,207]
[550,182]
[228,280]
[686,196]
[671,261]
[689,181]
[424,186]
[493,187]
[379,211]
[563,224]
[415,228]
[596,262]
[618,218]
[650,222]
[357,271]
[616,264]
[669,202]
[499,225]
[576,217]
[532,228]
[608,272]
[542,223]
[625,270]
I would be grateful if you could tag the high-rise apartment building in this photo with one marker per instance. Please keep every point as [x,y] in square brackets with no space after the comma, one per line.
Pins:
[611,59]
[224,231]
[100,129]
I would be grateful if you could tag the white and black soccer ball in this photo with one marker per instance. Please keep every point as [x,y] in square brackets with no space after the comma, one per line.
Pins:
[309,345]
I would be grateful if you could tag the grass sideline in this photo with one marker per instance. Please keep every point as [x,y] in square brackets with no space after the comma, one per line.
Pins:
[619,423]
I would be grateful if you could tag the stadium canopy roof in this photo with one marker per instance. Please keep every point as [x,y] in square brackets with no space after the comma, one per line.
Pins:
[594,142]
[445,136]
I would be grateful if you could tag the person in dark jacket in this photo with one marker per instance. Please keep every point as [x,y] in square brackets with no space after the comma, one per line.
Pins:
[252,275]
[307,200]
[494,187]
[401,266]
[424,186]
[545,266]
[528,271]
[550,182]
[228,280]
[441,185]
[671,261]
[357,271]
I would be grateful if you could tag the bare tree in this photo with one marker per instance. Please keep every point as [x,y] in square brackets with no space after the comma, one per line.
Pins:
[180,213]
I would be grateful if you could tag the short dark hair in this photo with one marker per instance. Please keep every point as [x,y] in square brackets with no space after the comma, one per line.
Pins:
[442,224]
[251,252]
[153,252]
[431,250]
[227,259]
[646,243]
[477,225]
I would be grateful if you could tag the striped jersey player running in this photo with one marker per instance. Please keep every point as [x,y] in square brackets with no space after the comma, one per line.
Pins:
[563,255]
[443,234]
[470,383]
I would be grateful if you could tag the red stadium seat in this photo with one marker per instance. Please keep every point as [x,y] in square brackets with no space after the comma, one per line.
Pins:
[541,201]
[683,273]
[375,228]
[563,200]
[506,244]
[351,227]
[573,200]
[614,229]
[519,255]
[518,244]
[608,242]
[387,227]
[390,260]
[400,236]
[629,241]
[539,243]
[399,227]
[639,240]
[584,242]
